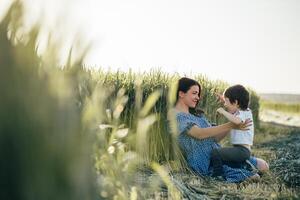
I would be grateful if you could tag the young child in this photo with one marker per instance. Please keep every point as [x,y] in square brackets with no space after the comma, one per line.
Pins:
[236,101]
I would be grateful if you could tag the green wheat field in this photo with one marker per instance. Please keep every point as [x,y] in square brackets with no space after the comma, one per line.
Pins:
[70,132]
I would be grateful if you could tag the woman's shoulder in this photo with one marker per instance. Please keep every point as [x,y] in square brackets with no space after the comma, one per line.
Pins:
[183,114]
[178,115]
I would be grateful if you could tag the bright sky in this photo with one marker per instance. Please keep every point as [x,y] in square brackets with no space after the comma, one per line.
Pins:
[251,42]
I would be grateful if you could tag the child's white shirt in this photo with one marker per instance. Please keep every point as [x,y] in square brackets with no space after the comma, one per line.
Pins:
[246,136]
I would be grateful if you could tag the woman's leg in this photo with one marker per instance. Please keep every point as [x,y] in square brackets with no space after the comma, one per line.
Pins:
[261,165]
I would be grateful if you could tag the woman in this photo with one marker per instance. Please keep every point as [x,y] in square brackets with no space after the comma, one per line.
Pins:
[197,138]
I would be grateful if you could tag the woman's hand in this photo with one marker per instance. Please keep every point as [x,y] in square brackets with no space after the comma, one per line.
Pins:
[244,125]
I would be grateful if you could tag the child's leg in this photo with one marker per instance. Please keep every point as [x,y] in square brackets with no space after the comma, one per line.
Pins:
[216,162]
[234,154]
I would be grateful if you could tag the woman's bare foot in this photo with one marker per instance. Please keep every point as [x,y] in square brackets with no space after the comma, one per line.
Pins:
[262,165]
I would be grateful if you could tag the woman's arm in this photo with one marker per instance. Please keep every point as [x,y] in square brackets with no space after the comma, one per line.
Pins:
[218,132]
[221,136]
[229,116]
[215,131]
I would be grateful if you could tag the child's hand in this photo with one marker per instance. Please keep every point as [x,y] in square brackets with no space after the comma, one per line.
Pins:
[220,98]
[220,110]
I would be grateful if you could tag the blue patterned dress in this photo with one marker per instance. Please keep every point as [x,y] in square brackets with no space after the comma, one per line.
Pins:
[198,151]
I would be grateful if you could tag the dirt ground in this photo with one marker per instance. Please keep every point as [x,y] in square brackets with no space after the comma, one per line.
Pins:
[288,119]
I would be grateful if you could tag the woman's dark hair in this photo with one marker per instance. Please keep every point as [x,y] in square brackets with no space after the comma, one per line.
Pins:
[238,93]
[184,84]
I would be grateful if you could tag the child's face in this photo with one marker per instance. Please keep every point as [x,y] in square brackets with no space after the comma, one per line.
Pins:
[230,107]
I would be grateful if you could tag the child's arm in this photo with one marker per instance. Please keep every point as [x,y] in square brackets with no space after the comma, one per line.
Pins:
[229,116]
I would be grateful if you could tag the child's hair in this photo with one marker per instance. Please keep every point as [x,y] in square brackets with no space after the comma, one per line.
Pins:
[238,93]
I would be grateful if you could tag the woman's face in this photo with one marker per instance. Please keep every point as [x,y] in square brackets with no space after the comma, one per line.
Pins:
[191,97]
